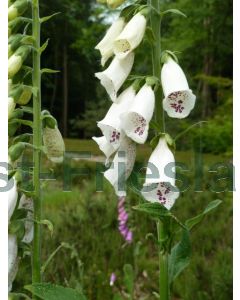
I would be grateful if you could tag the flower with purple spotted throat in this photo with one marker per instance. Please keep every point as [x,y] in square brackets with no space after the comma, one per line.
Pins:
[114,76]
[121,166]
[158,187]
[131,36]
[135,122]
[111,124]
[122,221]
[106,44]
[179,99]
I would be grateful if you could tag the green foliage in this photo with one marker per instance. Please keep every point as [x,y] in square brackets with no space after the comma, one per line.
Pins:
[47,291]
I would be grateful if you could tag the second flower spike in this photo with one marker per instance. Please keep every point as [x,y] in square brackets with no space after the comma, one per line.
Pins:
[135,122]
[179,99]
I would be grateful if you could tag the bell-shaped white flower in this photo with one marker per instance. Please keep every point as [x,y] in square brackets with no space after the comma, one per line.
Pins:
[159,187]
[12,259]
[104,146]
[12,199]
[27,203]
[111,124]
[135,122]
[131,36]
[179,99]
[114,76]
[106,45]
[121,166]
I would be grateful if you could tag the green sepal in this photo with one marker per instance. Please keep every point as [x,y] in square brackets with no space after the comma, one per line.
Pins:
[46,70]
[25,138]
[48,119]
[43,47]
[17,227]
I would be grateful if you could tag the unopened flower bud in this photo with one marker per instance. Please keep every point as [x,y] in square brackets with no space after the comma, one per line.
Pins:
[21,94]
[16,60]
[54,144]
[15,151]
[14,25]
[15,41]
[11,106]
[17,9]
[115,3]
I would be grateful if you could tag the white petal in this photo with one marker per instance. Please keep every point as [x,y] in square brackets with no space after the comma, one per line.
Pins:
[104,146]
[27,203]
[179,99]
[111,124]
[158,186]
[12,199]
[131,36]
[122,166]
[12,259]
[135,122]
[114,76]
[106,45]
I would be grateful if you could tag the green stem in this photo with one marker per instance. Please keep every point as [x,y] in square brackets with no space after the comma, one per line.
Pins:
[37,143]
[159,117]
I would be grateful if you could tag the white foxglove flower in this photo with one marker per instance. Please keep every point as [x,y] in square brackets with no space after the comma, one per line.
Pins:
[121,166]
[131,36]
[111,124]
[12,199]
[16,60]
[135,122]
[12,259]
[158,187]
[114,76]
[11,106]
[106,45]
[27,203]
[179,99]
[104,146]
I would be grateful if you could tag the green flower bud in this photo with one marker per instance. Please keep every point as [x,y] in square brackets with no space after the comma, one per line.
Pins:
[21,94]
[115,3]
[14,42]
[15,151]
[11,107]
[16,60]
[17,9]
[54,144]
[12,128]
[14,25]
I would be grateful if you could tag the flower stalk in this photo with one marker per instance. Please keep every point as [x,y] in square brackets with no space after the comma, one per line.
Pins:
[159,118]
[37,143]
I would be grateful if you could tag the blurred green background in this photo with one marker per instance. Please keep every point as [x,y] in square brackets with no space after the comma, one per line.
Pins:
[86,219]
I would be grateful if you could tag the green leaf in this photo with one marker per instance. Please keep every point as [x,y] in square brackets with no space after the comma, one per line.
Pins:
[45,70]
[155,210]
[180,256]
[43,47]
[48,291]
[158,211]
[129,278]
[45,19]
[190,223]
[174,11]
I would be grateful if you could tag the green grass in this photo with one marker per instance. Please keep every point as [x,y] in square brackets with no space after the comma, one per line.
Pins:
[87,220]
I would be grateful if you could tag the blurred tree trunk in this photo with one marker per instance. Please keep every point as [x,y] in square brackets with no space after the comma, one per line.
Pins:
[207,70]
[65,90]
